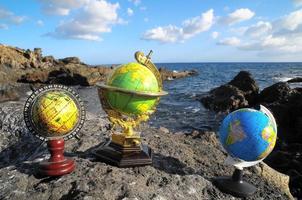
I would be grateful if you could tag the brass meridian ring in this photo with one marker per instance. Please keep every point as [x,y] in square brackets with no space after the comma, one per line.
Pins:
[126,91]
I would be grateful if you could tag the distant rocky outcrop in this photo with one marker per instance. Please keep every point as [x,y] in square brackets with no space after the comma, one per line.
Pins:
[183,165]
[171,75]
[18,65]
[286,105]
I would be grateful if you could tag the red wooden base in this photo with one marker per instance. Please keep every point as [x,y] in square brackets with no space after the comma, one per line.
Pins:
[57,165]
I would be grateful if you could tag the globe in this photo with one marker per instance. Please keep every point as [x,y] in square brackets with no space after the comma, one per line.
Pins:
[54,111]
[248,134]
[132,89]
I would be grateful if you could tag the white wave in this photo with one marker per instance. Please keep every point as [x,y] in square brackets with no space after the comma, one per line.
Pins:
[283,79]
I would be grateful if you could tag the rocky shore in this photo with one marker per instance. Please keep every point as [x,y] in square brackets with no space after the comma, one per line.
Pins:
[26,66]
[183,165]
[286,105]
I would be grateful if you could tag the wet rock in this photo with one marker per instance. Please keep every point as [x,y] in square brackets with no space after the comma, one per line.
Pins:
[295,80]
[240,92]
[224,98]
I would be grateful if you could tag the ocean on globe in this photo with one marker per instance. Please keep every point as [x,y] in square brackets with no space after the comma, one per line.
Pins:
[248,134]
[132,77]
[54,113]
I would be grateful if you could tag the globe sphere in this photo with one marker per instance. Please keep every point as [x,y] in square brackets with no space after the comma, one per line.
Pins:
[248,134]
[132,78]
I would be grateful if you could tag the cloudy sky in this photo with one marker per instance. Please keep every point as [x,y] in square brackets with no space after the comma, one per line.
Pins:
[110,31]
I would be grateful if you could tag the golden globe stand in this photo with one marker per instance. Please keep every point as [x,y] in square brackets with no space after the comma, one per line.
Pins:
[57,164]
[126,149]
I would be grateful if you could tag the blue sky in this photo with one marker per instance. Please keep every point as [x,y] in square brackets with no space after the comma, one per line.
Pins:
[107,31]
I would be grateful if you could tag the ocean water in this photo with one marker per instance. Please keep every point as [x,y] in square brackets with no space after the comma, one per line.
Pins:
[180,111]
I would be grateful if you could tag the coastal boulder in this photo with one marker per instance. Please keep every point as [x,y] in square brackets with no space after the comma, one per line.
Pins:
[245,82]
[240,92]
[277,92]
[224,98]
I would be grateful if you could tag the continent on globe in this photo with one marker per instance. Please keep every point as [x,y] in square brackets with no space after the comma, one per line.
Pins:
[132,77]
[55,112]
[248,134]
[236,133]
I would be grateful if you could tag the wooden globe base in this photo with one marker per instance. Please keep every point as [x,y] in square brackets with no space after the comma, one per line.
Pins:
[234,185]
[57,165]
[120,156]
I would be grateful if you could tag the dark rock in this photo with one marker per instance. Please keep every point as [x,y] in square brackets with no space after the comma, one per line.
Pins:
[225,98]
[244,82]
[277,92]
[240,92]
[295,80]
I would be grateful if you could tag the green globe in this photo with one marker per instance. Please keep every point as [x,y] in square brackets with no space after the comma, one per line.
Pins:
[136,90]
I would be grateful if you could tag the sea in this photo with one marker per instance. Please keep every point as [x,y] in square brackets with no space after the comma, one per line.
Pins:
[180,111]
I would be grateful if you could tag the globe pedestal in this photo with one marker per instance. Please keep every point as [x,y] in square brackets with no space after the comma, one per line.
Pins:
[57,165]
[121,156]
[235,185]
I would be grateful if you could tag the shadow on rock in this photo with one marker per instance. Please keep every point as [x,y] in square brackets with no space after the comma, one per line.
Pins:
[171,165]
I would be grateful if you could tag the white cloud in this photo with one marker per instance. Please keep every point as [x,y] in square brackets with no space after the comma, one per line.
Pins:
[135,2]
[279,37]
[10,17]
[215,34]
[61,7]
[237,16]
[96,17]
[289,22]
[297,2]
[40,23]
[129,11]
[231,41]
[189,28]
[3,26]
[259,29]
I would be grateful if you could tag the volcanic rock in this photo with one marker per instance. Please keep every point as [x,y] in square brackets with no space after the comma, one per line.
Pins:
[183,167]
[238,93]
[295,80]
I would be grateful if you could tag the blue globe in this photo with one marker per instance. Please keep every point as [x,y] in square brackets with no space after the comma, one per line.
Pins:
[248,134]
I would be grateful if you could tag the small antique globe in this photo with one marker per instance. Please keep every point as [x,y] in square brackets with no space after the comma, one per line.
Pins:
[132,89]
[54,112]
[248,134]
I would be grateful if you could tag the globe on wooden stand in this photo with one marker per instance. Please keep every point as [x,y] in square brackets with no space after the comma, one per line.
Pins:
[54,113]
[249,136]
[129,96]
